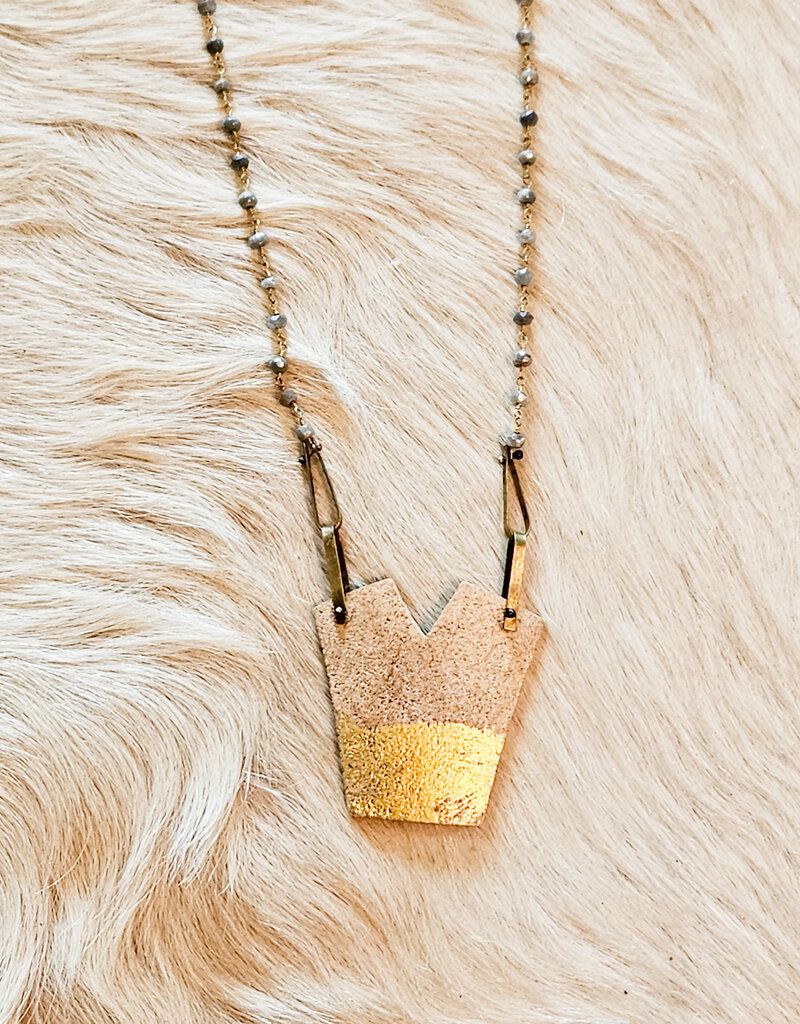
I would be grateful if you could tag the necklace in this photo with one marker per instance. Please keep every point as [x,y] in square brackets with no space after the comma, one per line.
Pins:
[421,719]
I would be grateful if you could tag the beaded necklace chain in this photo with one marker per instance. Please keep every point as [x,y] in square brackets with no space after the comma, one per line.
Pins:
[278,363]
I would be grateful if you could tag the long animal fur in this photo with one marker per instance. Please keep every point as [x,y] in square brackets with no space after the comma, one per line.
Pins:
[174,844]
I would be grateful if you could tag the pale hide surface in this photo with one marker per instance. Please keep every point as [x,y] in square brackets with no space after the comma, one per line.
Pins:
[174,844]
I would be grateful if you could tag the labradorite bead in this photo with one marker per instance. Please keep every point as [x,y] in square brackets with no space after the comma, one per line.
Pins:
[526,156]
[528,118]
[269,282]
[518,397]
[288,396]
[239,161]
[221,85]
[523,276]
[528,76]
[526,195]
[522,357]
[215,45]
[526,236]
[523,317]
[525,37]
[258,239]
[247,200]
[305,431]
[278,364]
[515,440]
[207,6]
[230,124]
[276,321]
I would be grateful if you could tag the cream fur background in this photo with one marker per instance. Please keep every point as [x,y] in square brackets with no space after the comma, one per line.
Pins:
[174,845]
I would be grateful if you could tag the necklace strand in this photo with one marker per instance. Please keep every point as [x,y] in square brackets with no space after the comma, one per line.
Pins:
[278,363]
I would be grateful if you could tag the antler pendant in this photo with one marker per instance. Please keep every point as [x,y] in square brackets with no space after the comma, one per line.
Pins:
[421,719]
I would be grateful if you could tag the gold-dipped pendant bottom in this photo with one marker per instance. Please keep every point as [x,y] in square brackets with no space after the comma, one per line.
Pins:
[438,772]
[422,719]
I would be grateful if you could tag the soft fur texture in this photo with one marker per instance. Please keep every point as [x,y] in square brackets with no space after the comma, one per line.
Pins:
[174,844]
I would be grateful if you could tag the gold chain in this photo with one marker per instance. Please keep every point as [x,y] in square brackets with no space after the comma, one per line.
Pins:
[528,79]
[263,264]
[279,362]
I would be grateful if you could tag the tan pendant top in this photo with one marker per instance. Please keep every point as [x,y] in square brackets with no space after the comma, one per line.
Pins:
[383,669]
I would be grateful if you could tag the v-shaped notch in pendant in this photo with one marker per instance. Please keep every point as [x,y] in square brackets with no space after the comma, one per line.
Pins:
[421,718]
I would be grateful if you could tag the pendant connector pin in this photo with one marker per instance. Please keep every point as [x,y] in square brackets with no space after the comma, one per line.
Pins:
[328,518]
[515,553]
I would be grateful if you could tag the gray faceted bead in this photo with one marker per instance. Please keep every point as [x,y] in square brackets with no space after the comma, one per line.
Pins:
[515,440]
[305,431]
[526,195]
[288,396]
[522,357]
[526,236]
[278,364]
[523,276]
[247,200]
[526,156]
[207,6]
[221,85]
[230,124]
[258,240]
[269,282]
[276,321]
[525,37]
[528,76]
[518,397]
